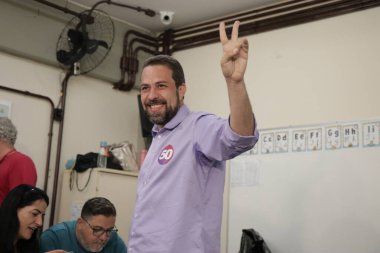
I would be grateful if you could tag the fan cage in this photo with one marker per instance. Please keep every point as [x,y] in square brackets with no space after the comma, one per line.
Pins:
[101,29]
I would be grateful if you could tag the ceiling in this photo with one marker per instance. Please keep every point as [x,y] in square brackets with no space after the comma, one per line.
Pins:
[185,12]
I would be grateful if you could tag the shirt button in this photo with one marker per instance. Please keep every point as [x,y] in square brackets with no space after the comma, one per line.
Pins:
[159,136]
[145,182]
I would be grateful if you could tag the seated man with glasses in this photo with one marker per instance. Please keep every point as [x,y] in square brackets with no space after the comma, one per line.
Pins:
[94,231]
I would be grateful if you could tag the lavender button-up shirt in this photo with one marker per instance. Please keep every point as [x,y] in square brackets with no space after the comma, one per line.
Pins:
[180,186]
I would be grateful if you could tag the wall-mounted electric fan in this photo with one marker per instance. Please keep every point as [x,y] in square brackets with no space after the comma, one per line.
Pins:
[85,41]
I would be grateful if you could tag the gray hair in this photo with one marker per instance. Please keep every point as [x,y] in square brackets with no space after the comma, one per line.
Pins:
[8,131]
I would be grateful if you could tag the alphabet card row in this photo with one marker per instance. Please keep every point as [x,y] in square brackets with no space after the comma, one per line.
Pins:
[319,137]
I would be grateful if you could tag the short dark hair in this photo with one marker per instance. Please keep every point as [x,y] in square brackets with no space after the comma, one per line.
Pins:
[166,60]
[21,196]
[98,206]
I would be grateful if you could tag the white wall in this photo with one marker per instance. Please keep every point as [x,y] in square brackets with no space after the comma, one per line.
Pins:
[320,71]
[317,72]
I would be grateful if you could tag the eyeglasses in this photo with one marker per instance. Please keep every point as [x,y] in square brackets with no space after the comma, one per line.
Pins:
[99,231]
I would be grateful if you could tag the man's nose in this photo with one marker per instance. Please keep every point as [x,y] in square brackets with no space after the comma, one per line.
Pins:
[152,93]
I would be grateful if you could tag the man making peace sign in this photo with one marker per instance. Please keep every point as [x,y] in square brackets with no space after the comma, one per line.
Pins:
[180,190]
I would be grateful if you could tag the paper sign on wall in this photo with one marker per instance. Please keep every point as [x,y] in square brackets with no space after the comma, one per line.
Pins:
[299,140]
[350,135]
[282,142]
[314,139]
[267,143]
[5,109]
[318,138]
[333,137]
[371,134]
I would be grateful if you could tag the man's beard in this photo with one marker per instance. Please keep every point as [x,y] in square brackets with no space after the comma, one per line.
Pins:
[162,119]
[87,246]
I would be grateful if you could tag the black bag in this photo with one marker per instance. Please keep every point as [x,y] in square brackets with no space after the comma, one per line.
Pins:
[90,160]
[86,161]
[252,242]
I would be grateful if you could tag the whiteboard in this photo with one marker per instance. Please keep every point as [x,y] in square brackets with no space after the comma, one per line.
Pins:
[308,202]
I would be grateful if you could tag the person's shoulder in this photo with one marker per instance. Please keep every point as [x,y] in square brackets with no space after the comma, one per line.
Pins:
[61,227]
[116,242]
[117,238]
[201,114]
[20,154]
[21,157]
[205,117]
[59,236]
[199,120]
[187,113]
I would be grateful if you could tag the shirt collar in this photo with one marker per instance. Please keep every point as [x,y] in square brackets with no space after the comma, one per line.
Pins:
[10,151]
[175,121]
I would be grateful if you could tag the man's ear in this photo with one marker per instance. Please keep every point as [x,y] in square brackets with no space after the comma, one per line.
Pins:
[80,220]
[182,91]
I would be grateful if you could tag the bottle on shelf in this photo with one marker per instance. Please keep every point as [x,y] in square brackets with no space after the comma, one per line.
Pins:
[102,155]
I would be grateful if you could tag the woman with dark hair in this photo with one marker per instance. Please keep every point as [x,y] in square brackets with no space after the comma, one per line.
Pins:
[21,218]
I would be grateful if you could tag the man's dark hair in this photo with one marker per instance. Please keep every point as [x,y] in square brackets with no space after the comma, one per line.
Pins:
[98,206]
[166,60]
[21,196]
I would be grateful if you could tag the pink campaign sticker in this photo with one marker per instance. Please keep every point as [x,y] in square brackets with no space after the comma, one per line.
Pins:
[166,155]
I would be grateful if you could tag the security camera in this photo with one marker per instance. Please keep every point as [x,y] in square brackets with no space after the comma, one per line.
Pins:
[166,17]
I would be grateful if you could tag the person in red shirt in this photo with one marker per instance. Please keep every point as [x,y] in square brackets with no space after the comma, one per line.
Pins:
[15,167]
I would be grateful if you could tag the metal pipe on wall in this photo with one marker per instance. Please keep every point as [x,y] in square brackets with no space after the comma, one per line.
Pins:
[50,133]
[255,21]
[129,61]
[64,9]
[59,144]
[275,16]
[265,19]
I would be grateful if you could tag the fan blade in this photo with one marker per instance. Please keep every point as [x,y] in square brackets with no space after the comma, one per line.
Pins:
[69,58]
[63,56]
[103,43]
[92,45]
